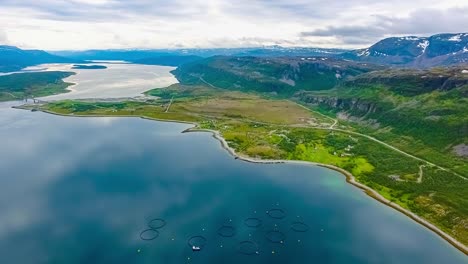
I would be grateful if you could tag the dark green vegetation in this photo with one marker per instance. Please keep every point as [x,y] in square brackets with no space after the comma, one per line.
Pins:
[88,67]
[421,112]
[280,129]
[14,59]
[32,84]
[183,91]
[281,76]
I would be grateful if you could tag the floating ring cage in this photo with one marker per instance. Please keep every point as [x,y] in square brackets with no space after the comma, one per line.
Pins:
[253,222]
[227,222]
[156,223]
[276,213]
[299,227]
[197,241]
[149,234]
[275,236]
[248,247]
[227,231]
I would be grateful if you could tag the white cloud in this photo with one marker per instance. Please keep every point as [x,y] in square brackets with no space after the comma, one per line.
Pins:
[85,24]
[419,22]
[3,37]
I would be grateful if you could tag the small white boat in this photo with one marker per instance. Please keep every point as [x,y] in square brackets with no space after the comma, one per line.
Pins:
[195,248]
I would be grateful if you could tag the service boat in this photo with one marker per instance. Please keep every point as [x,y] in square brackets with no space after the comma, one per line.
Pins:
[195,248]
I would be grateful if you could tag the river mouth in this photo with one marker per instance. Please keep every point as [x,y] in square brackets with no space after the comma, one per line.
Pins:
[127,190]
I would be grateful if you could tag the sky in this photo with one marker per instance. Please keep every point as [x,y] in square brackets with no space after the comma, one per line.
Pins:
[124,24]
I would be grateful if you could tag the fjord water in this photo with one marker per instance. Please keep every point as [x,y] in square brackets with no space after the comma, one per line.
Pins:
[119,80]
[81,190]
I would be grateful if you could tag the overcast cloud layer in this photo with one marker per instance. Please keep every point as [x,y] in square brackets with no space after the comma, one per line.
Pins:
[99,24]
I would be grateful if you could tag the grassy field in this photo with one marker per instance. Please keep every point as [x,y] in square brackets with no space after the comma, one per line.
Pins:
[280,129]
[32,84]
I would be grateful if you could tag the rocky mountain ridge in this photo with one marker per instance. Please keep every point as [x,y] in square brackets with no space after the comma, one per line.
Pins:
[419,52]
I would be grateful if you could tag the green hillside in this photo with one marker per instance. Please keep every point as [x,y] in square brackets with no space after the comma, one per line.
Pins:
[280,76]
[420,111]
[32,84]
[423,112]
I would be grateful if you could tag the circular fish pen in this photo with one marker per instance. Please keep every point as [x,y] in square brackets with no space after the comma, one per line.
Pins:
[248,247]
[275,236]
[253,222]
[299,227]
[276,213]
[227,222]
[227,231]
[149,234]
[156,223]
[197,243]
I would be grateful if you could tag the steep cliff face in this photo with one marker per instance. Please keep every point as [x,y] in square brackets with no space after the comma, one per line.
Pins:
[356,105]
[430,105]
[424,83]
[413,82]
[387,89]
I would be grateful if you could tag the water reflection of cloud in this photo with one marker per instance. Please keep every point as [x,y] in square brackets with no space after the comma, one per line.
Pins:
[91,186]
[33,174]
[117,81]
[103,121]
[27,173]
[398,235]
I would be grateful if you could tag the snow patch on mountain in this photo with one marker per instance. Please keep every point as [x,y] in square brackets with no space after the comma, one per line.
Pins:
[410,38]
[364,53]
[423,45]
[456,38]
[376,53]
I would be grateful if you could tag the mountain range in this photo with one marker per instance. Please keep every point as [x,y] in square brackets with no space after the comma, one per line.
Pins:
[418,52]
[411,51]
[14,59]
[135,55]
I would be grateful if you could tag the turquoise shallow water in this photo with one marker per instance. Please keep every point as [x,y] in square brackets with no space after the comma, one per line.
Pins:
[81,190]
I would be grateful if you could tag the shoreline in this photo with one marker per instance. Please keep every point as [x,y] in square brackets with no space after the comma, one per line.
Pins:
[349,177]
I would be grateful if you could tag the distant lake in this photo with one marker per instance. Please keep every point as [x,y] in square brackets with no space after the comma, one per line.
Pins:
[82,190]
[119,80]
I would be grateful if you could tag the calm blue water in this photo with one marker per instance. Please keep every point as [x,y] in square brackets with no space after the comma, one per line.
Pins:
[81,190]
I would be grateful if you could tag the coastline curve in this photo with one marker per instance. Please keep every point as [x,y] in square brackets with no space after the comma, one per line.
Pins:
[349,177]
